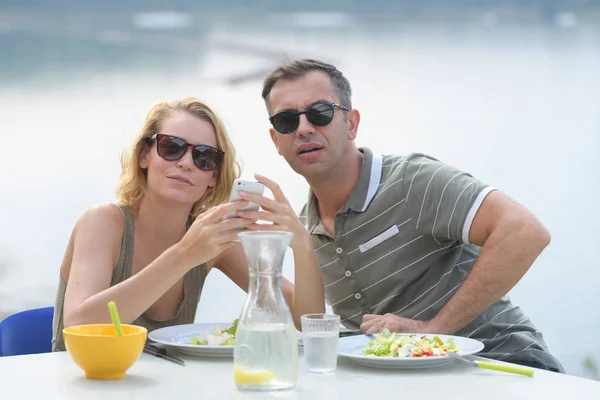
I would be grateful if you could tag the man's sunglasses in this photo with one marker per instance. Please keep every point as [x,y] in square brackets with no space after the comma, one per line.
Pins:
[172,148]
[319,114]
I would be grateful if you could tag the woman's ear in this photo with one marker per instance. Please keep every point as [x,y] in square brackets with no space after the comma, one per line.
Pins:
[213,181]
[143,157]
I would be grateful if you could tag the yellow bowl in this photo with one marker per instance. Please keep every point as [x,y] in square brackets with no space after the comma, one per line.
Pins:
[100,352]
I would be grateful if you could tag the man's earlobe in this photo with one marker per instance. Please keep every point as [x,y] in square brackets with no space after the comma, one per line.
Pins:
[353,122]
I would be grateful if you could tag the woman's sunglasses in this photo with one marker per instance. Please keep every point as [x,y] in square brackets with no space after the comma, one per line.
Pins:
[319,114]
[172,148]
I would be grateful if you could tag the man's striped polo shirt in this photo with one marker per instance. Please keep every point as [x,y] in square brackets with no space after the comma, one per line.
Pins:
[401,246]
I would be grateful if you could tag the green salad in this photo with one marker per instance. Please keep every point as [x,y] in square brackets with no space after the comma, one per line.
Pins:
[220,337]
[388,344]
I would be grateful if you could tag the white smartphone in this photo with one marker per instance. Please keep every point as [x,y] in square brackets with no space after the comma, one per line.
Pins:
[241,185]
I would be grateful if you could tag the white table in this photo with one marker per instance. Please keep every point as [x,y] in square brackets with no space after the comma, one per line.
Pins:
[55,376]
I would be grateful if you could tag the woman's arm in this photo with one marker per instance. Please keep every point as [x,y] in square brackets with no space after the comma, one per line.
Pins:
[96,236]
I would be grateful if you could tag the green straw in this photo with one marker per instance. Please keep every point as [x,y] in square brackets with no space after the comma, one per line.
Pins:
[114,315]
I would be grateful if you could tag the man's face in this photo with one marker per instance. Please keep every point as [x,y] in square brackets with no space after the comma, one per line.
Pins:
[312,151]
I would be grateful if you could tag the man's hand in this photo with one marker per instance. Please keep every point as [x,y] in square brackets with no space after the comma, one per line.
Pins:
[373,323]
[306,295]
[279,212]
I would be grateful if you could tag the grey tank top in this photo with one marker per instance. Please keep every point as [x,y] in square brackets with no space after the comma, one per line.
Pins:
[193,282]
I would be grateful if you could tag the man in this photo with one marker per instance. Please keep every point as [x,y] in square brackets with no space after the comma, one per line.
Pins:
[405,243]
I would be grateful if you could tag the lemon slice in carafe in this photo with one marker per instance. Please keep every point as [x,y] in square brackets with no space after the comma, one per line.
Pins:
[252,377]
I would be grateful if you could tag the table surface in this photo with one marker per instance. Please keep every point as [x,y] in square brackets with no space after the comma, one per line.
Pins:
[55,376]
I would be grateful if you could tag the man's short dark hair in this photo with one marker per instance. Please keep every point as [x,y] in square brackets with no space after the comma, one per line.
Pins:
[294,69]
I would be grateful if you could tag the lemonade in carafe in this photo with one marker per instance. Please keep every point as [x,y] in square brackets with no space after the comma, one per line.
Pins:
[266,350]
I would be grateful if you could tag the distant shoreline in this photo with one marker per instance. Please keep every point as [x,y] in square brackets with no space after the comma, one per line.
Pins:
[193,18]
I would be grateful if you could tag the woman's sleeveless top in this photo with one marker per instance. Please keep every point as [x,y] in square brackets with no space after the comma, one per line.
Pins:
[193,282]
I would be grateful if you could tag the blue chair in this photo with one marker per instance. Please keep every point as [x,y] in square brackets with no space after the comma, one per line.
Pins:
[27,332]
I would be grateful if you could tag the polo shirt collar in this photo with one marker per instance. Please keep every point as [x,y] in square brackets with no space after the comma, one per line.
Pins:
[362,195]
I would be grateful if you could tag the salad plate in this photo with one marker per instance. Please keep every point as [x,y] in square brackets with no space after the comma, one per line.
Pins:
[405,351]
[205,339]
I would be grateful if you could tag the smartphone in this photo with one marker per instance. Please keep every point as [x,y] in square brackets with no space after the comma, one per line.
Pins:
[240,185]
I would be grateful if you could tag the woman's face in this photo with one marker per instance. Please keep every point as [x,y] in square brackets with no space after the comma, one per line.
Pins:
[181,180]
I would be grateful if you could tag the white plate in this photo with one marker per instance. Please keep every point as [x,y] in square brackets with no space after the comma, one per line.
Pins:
[179,337]
[351,346]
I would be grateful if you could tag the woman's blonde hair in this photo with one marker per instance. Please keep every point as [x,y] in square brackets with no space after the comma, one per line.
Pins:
[132,182]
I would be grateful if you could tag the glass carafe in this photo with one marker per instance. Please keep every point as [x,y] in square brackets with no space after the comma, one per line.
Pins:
[266,349]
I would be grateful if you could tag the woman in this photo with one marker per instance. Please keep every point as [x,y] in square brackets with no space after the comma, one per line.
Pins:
[152,250]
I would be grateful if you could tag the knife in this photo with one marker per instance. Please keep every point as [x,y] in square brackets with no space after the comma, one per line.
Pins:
[156,351]
[351,333]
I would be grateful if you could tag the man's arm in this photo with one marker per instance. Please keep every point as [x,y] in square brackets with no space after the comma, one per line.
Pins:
[512,238]
[451,205]
[306,296]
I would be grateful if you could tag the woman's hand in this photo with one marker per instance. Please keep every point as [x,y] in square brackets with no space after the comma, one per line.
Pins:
[210,234]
